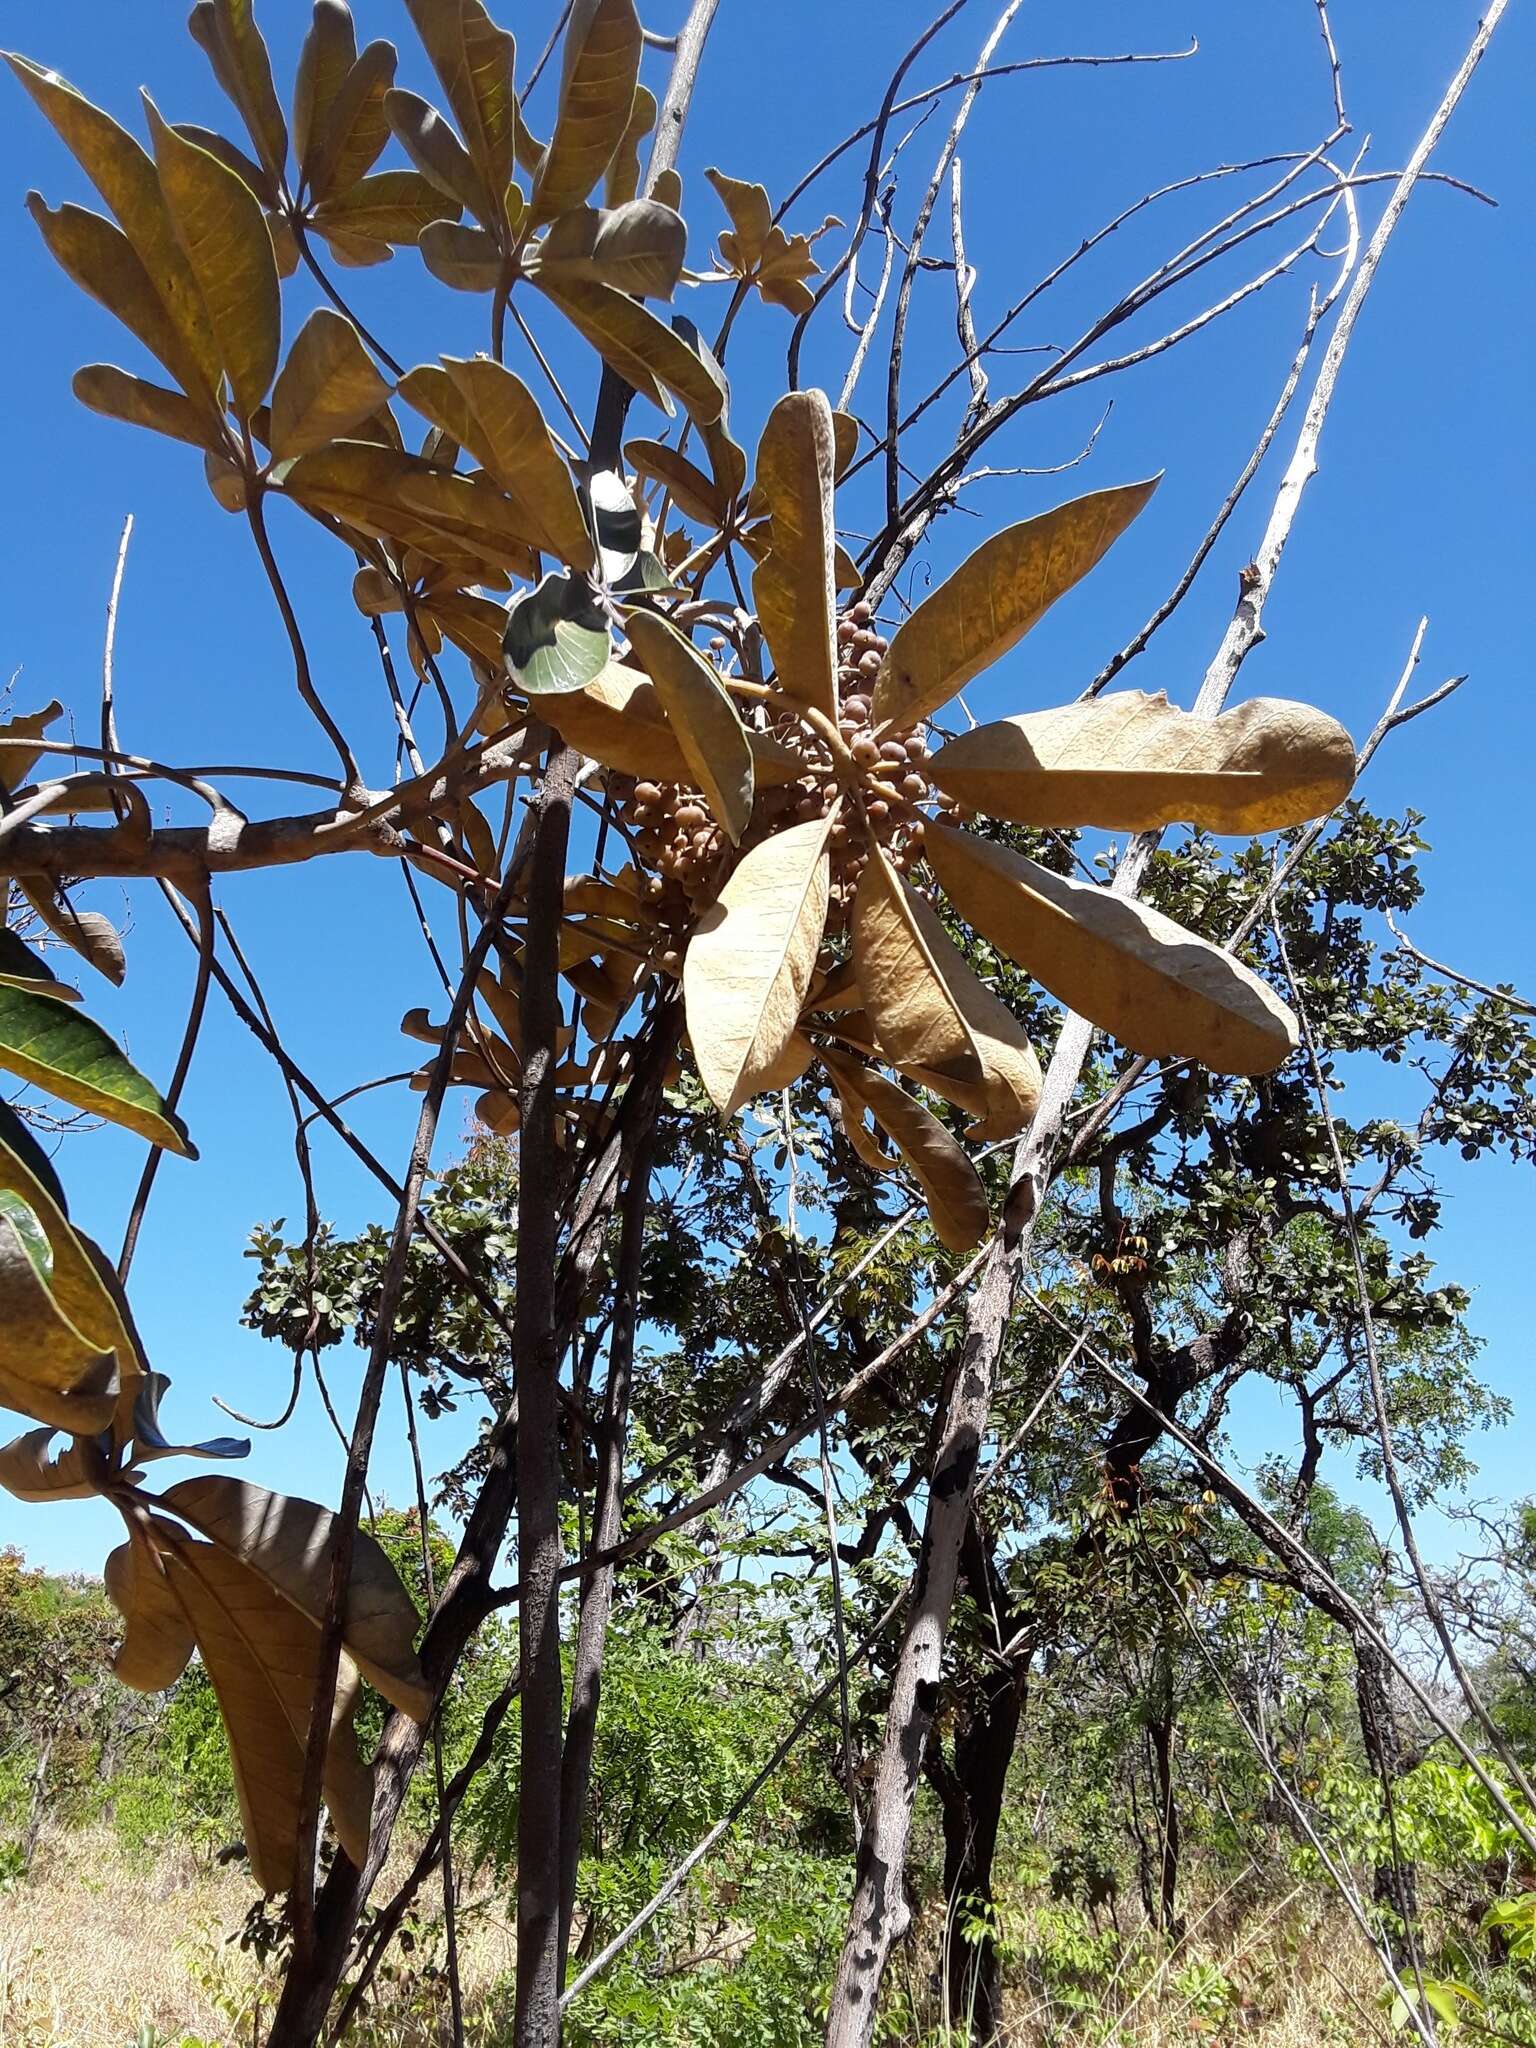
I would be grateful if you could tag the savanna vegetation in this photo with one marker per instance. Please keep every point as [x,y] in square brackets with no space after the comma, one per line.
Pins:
[829,1605]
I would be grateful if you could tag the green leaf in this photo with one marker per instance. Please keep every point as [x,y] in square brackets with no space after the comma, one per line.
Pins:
[56,1048]
[327,387]
[221,226]
[557,637]
[16,1139]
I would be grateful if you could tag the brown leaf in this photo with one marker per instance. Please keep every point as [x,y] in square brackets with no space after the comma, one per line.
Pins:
[387,492]
[30,1472]
[638,247]
[600,69]
[124,175]
[227,32]
[101,260]
[957,1202]
[327,387]
[390,206]
[748,965]
[700,712]
[622,181]
[223,231]
[1132,762]
[347,135]
[262,1659]
[514,444]
[793,588]
[289,1543]
[699,496]
[646,353]
[122,397]
[1156,987]
[993,598]
[439,155]
[921,992]
[465,258]
[85,932]
[327,55]
[158,1641]
[473,58]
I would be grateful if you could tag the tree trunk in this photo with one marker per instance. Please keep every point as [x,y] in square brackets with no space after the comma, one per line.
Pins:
[1165,1894]
[1394,1885]
[39,1805]
[970,1793]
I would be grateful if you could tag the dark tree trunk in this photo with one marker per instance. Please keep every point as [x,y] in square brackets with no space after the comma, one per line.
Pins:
[1394,1886]
[1164,1902]
[970,1791]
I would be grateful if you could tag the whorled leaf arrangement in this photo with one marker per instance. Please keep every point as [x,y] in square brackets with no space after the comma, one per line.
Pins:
[790,824]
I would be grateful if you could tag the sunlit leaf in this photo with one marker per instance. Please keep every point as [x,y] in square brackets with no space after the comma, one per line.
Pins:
[465,258]
[748,965]
[622,181]
[1132,762]
[994,597]
[222,229]
[473,59]
[227,32]
[438,154]
[600,69]
[123,173]
[697,495]
[793,588]
[347,134]
[1159,989]
[514,444]
[645,352]
[701,713]
[56,1048]
[123,397]
[327,386]
[30,1469]
[390,206]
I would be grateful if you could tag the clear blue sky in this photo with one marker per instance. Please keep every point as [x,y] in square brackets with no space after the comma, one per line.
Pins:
[1423,505]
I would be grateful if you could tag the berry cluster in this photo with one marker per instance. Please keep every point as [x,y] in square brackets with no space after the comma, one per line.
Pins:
[678,842]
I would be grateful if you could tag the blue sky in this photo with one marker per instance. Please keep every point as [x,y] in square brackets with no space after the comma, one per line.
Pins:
[1422,505]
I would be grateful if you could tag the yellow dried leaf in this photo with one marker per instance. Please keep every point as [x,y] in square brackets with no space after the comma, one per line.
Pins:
[957,1202]
[749,963]
[994,597]
[1156,987]
[1132,762]
[793,588]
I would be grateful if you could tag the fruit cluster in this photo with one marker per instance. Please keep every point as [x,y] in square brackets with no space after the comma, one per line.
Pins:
[678,842]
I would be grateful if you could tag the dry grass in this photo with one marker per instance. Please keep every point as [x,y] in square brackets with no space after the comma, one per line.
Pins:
[97,1948]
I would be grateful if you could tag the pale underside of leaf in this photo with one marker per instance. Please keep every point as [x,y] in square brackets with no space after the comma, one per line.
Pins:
[1156,987]
[793,589]
[1132,762]
[749,963]
[993,598]
[262,1658]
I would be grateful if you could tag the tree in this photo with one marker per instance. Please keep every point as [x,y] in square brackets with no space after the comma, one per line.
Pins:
[781,867]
